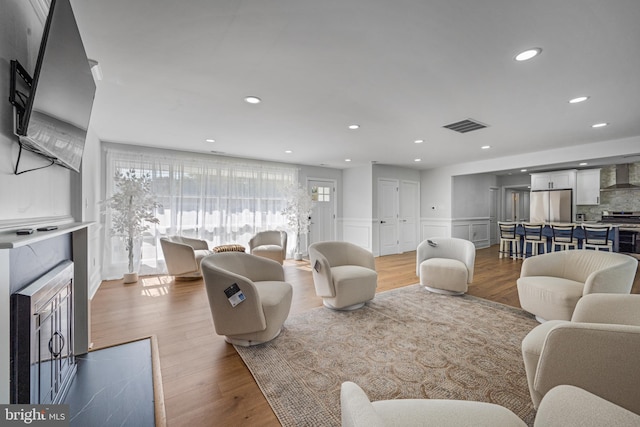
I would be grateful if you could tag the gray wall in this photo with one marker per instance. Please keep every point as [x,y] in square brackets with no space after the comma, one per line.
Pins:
[470,195]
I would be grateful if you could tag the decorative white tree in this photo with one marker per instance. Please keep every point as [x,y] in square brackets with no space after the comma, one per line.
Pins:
[132,205]
[298,212]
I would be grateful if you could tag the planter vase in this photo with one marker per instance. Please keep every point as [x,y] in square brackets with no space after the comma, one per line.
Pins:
[297,256]
[130,277]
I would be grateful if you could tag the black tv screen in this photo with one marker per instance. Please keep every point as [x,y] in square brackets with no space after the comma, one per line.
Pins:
[55,121]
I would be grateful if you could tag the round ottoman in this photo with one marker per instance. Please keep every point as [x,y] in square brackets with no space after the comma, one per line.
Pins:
[229,248]
[444,276]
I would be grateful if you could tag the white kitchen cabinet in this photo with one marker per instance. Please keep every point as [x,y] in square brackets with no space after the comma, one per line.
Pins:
[559,180]
[588,187]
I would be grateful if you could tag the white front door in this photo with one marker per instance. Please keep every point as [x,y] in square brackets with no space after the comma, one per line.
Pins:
[388,216]
[409,213]
[322,226]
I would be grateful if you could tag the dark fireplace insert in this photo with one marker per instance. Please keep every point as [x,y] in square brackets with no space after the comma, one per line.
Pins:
[42,358]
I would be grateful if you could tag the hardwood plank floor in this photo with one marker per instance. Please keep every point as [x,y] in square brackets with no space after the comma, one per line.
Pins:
[205,382]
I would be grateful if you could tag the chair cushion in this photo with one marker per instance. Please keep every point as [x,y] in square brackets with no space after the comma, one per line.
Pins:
[443,413]
[267,248]
[566,405]
[352,275]
[272,292]
[353,284]
[551,298]
[444,273]
[201,253]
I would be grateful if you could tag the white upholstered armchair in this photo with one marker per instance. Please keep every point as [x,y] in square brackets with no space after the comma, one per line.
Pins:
[597,351]
[266,297]
[359,411]
[270,244]
[344,274]
[550,285]
[183,255]
[445,265]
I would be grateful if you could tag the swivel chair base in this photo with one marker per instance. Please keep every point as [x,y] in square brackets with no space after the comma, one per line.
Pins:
[347,308]
[443,291]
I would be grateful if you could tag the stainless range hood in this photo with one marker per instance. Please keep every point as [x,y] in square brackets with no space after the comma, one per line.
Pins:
[622,179]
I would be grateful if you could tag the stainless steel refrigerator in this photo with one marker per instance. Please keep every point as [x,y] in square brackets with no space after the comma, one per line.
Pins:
[551,206]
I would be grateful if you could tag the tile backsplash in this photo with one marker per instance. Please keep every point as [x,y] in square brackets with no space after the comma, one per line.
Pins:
[617,200]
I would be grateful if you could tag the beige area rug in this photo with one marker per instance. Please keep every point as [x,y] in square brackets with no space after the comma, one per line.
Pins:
[406,343]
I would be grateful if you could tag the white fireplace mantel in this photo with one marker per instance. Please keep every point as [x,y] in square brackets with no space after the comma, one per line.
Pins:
[79,241]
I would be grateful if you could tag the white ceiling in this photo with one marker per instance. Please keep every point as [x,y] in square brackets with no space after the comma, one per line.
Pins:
[176,73]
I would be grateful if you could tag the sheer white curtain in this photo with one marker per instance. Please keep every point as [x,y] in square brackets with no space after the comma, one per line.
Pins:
[218,200]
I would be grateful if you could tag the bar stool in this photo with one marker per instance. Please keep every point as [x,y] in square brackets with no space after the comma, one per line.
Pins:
[563,237]
[533,235]
[509,240]
[597,237]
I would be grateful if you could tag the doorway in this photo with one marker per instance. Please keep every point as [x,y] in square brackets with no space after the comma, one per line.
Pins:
[398,213]
[323,215]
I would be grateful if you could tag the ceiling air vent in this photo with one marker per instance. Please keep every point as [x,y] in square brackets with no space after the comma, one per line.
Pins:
[465,126]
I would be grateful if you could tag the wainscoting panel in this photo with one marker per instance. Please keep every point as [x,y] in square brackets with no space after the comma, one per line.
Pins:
[476,230]
[434,227]
[358,231]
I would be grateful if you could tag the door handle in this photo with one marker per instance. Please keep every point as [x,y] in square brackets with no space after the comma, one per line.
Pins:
[383,222]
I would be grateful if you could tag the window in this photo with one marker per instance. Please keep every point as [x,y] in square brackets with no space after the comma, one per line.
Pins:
[218,200]
[321,194]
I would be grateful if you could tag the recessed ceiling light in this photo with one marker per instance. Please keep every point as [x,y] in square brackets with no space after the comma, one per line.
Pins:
[347,160]
[485,147]
[523,170]
[253,100]
[528,54]
[583,164]
[354,126]
[210,140]
[599,125]
[419,141]
[417,160]
[578,99]
[288,151]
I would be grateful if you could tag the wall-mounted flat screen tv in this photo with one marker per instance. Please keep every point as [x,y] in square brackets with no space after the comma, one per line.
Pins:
[55,118]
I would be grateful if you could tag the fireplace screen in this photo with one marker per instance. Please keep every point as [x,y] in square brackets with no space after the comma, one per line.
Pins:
[42,359]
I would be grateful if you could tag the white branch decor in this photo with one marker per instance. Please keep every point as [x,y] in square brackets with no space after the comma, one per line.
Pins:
[133,206]
[298,211]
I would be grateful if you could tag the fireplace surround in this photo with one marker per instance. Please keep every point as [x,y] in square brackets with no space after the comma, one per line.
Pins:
[32,253]
[42,357]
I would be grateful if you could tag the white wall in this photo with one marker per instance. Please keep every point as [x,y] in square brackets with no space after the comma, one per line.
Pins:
[53,193]
[437,189]
[88,203]
[357,200]
[39,194]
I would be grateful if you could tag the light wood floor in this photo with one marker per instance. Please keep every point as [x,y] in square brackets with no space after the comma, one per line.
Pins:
[205,382]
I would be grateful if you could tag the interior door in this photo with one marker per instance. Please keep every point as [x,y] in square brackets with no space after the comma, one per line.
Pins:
[493,216]
[322,225]
[409,214]
[388,216]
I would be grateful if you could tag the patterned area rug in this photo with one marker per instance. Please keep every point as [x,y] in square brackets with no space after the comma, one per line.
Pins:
[406,343]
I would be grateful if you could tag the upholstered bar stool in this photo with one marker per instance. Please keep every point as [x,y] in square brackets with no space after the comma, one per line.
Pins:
[509,240]
[563,237]
[533,236]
